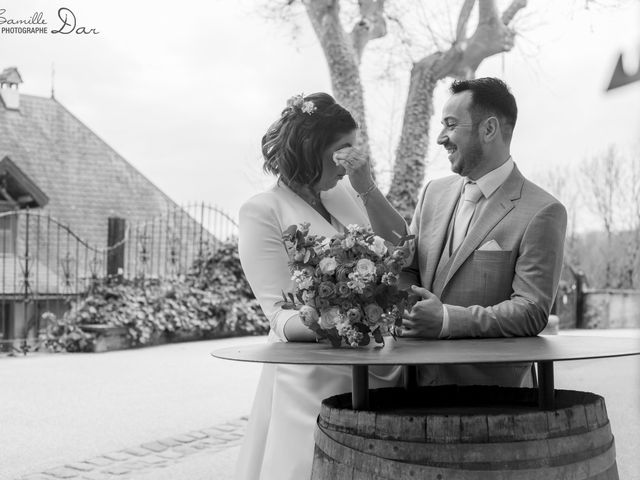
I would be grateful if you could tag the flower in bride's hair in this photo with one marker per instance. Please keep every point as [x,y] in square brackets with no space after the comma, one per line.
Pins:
[295,101]
[308,107]
[298,101]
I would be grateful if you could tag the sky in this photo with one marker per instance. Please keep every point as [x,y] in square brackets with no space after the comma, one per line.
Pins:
[184,91]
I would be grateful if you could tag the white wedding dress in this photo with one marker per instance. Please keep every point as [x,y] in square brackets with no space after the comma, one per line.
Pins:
[279,440]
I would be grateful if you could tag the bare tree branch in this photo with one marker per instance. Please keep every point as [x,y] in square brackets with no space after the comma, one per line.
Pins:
[285,13]
[371,25]
[459,57]
[512,9]
[461,60]
[488,12]
[491,37]
[342,61]
[404,38]
[463,20]
[602,176]
[427,18]
[410,164]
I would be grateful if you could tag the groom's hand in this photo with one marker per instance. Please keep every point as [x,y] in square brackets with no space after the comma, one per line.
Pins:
[425,318]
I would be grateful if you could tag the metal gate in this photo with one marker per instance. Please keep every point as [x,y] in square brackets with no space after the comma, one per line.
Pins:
[44,265]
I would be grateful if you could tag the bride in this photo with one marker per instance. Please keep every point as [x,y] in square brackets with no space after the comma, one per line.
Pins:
[310,149]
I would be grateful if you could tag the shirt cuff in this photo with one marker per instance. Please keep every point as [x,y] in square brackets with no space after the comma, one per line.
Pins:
[445,333]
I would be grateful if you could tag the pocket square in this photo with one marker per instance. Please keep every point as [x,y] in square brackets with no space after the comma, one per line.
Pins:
[490,246]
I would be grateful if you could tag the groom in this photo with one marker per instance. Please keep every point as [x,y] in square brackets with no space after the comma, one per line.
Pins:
[489,241]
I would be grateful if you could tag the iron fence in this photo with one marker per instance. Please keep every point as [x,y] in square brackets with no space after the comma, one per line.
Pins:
[44,265]
[168,245]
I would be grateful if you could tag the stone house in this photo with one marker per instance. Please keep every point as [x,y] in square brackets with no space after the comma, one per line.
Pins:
[60,183]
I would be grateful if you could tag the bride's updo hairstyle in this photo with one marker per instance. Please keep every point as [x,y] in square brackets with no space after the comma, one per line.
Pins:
[293,146]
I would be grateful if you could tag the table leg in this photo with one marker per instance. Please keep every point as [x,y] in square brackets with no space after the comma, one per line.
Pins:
[546,392]
[360,391]
[410,377]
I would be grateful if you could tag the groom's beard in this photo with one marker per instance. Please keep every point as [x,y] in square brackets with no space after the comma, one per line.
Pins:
[468,160]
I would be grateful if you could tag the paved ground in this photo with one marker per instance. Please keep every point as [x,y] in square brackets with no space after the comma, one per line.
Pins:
[69,408]
[173,412]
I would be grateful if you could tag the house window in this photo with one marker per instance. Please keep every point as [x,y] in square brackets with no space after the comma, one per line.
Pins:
[7,234]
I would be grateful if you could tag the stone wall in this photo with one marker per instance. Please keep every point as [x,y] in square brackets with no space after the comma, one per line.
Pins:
[611,309]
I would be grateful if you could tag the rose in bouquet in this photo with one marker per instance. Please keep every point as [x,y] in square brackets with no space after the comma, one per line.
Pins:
[346,286]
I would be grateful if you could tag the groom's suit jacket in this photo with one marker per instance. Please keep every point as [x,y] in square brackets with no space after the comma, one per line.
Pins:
[505,292]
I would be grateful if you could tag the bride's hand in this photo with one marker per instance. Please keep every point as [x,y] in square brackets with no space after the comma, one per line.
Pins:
[357,166]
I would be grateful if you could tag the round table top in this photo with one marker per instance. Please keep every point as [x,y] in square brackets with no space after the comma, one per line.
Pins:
[406,351]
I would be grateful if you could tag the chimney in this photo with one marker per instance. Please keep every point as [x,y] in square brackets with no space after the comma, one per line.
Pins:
[9,93]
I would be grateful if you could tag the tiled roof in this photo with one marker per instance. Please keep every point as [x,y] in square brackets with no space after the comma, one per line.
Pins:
[85,179]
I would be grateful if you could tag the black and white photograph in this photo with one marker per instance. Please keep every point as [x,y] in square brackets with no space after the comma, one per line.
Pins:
[320,240]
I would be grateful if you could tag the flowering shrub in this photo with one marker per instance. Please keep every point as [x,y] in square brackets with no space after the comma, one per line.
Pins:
[64,335]
[213,299]
[346,286]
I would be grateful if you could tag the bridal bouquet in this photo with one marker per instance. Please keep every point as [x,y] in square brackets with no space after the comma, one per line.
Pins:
[346,286]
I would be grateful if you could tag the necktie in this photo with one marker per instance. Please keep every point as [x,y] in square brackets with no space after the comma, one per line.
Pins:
[471,194]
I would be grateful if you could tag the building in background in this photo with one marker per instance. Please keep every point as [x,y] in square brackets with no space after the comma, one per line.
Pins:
[60,184]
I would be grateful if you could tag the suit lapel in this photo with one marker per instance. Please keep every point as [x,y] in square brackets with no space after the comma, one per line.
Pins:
[439,227]
[498,205]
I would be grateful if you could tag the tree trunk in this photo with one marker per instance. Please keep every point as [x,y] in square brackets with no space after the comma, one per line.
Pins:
[410,165]
[342,60]
[343,52]
[491,36]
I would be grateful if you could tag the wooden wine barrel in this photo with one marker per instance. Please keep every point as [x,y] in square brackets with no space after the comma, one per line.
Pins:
[464,432]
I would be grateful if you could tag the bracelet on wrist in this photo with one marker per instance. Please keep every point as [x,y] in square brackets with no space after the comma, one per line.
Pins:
[365,195]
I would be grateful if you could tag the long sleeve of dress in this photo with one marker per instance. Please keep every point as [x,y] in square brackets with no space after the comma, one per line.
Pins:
[265,261]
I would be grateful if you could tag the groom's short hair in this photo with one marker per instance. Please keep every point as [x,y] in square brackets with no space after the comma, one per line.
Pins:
[490,96]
